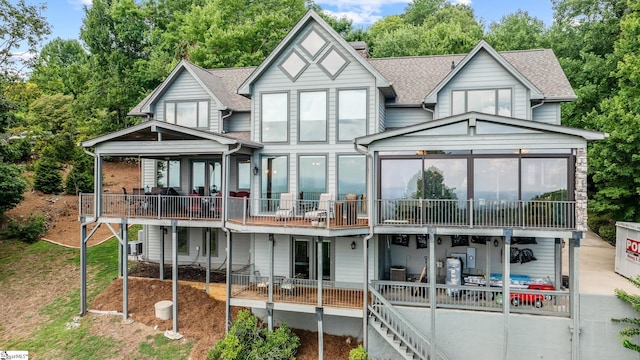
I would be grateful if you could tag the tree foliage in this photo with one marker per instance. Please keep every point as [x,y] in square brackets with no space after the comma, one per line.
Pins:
[12,186]
[516,31]
[633,329]
[48,176]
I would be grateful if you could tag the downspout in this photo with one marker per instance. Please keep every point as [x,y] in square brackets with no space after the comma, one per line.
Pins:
[433,112]
[225,171]
[365,245]
[221,129]
[535,106]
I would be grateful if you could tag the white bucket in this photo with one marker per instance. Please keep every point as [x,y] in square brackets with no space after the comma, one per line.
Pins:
[164,309]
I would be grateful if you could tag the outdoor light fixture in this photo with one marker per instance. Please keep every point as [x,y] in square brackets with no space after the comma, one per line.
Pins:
[256,171]
[353,245]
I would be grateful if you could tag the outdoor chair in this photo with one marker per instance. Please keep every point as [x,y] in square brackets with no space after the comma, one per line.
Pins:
[286,207]
[288,286]
[323,209]
[261,282]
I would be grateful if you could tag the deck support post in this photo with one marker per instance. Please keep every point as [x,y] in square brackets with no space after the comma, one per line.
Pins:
[174,273]
[207,249]
[269,316]
[319,268]
[163,231]
[228,283]
[270,287]
[83,266]
[319,312]
[506,290]
[124,244]
[432,288]
[557,281]
[574,293]
[365,293]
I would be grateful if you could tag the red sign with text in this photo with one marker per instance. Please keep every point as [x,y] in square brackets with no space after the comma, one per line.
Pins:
[633,250]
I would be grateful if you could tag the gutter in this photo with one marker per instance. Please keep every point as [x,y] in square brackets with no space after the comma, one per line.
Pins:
[424,107]
[221,129]
[365,245]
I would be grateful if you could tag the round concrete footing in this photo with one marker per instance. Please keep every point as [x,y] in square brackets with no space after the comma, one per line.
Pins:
[164,309]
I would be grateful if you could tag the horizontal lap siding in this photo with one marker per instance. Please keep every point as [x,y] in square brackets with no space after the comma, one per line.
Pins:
[547,113]
[483,72]
[161,147]
[238,122]
[348,262]
[281,255]
[401,117]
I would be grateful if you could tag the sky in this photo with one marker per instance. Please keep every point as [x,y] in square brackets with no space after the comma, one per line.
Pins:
[65,16]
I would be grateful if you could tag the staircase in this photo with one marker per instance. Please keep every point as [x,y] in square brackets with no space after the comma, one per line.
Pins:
[398,331]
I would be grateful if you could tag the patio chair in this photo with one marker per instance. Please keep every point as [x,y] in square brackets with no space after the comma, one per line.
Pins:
[288,286]
[286,207]
[261,282]
[323,209]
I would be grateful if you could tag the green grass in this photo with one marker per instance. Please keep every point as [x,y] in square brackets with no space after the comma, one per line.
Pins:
[51,338]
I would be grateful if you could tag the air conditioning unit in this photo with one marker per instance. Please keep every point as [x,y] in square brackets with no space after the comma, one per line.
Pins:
[135,248]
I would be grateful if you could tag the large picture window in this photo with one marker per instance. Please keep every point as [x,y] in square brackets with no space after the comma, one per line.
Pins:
[275,179]
[352,114]
[312,178]
[274,115]
[168,174]
[193,114]
[489,101]
[352,175]
[313,116]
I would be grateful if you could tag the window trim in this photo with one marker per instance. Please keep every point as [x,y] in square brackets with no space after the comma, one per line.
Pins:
[168,174]
[337,114]
[326,117]
[197,102]
[496,97]
[288,120]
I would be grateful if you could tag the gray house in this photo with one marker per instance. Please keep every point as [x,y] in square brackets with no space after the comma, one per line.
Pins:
[442,189]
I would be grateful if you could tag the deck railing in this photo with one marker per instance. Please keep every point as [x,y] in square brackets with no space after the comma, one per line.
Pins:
[478,213]
[298,291]
[479,298]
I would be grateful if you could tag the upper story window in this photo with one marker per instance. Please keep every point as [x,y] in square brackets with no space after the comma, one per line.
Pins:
[275,176]
[274,113]
[488,101]
[313,116]
[168,174]
[193,114]
[352,114]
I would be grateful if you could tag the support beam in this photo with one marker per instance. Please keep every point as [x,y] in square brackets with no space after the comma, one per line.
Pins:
[574,293]
[83,266]
[319,268]
[432,288]
[207,249]
[506,289]
[320,334]
[365,292]
[270,287]
[557,281]
[124,235]
[228,285]
[174,277]
[163,231]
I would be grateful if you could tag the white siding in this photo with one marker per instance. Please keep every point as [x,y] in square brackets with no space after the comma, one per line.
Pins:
[483,72]
[543,267]
[547,113]
[348,262]
[281,254]
[381,112]
[401,117]
[148,173]
[238,122]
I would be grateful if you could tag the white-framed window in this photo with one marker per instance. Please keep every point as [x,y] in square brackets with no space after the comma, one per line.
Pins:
[193,114]
[313,116]
[488,101]
[352,114]
[168,174]
[275,115]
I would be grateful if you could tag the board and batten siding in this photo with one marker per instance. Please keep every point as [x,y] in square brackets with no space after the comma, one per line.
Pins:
[186,88]
[547,113]
[484,72]
[401,117]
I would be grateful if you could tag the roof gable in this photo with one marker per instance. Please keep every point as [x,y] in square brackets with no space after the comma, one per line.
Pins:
[309,18]
[431,97]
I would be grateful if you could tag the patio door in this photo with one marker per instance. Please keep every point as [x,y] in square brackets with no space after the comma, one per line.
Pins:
[206,177]
[305,259]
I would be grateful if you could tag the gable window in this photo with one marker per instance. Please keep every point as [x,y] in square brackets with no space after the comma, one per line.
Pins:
[168,173]
[312,178]
[313,116]
[489,101]
[352,114]
[193,114]
[274,113]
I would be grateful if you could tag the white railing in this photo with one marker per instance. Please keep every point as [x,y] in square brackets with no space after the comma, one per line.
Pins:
[297,213]
[297,291]
[478,213]
[479,298]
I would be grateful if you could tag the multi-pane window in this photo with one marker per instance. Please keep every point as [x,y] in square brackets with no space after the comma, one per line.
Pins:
[352,114]
[168,174]
[313,116]
[193,114]
[312,178]
[352,175]
[489,101]
[274,114]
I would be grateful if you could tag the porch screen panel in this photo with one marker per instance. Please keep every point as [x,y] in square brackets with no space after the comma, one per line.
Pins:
[544,179]
[275,180]
[274,114]
[312,176]
[399,178]
[445,179]
[352,175]
[496,179]
[313,116]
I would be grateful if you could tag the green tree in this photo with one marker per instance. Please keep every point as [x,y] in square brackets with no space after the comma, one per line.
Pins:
[517,31]
[418,11]
[12,186]
[633,330]
[80,178]
[62,67]
[48,177]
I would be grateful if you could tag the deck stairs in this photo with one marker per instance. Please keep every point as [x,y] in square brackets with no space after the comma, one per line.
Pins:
[405,338]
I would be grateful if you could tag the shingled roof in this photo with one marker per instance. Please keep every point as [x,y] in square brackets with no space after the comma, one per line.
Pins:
[411,77]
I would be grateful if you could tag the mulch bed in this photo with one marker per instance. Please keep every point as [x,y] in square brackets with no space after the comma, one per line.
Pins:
[145,269]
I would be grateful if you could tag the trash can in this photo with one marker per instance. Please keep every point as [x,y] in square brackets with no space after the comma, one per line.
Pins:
[352,209]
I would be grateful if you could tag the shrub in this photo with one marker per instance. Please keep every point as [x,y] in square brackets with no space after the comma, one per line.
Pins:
[358,354]
[247,340]
[12,186]
[48,177]
[80,178]
[28,230]
[608,233]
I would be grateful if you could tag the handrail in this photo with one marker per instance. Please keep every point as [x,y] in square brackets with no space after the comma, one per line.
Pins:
[413,338]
